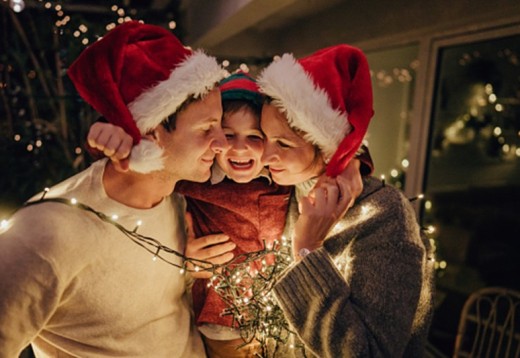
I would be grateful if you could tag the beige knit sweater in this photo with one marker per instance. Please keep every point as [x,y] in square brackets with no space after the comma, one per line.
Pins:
[73,285]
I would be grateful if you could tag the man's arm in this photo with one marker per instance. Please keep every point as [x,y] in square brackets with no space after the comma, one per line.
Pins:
[29,290]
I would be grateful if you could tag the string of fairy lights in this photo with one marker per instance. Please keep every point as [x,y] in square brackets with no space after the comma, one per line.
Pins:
[245,283]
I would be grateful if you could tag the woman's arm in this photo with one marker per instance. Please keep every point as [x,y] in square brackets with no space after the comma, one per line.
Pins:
[362,300]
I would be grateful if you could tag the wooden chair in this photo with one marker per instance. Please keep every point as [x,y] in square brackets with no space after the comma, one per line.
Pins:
[489,324]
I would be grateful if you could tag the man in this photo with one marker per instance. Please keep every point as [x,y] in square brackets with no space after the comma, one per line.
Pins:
[72,284]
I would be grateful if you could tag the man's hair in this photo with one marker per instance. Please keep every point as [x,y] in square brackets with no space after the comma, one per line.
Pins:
[169,122]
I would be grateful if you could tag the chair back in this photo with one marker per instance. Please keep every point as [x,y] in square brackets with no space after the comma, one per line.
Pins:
[489,324]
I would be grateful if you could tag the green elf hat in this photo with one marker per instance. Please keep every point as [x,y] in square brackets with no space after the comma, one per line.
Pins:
[240,86]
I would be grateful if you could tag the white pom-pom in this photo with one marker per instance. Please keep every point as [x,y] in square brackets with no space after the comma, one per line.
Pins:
[146,157]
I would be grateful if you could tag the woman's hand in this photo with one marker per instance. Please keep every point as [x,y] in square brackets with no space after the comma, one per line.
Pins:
[319,211]
[325,205]
[215,249]
[113,141]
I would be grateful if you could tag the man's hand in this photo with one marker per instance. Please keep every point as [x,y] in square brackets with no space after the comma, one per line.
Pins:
[113,141]
[216,249]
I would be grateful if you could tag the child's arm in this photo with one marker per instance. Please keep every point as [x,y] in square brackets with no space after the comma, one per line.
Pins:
[112,141]
[215,249]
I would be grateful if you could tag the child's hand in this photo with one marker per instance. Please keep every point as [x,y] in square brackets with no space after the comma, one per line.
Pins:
[215,249]
[113,141]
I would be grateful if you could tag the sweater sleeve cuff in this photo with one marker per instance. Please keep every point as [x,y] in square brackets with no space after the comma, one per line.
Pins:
[313,280]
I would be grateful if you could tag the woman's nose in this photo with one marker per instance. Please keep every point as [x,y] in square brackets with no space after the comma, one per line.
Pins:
[268,156]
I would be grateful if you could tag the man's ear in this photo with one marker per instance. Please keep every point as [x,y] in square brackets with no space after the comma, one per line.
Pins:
[152,135]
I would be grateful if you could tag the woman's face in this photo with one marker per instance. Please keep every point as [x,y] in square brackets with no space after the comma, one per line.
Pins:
[291,160]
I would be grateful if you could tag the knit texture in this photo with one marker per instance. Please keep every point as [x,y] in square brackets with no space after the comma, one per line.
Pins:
[368,292]
[74,285]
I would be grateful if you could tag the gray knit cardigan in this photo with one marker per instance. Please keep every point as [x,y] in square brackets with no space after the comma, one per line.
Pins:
[368,291]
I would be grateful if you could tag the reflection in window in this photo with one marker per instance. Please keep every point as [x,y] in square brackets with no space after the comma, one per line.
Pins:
[473,172]
[476,129]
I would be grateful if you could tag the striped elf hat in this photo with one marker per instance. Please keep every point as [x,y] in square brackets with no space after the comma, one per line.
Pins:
[240,86]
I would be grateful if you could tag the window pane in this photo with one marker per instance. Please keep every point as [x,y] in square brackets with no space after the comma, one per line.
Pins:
[393,79]
[473,173]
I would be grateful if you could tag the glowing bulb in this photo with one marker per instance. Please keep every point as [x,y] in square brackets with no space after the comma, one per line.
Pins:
[115,217]
[182,271]
[17,5]
[499,107]
[405,163]
[172,25]
[427,204]
[73,201]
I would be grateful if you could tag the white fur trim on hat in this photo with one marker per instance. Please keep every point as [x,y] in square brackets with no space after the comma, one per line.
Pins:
[146,157]
[307,107]
[196,75]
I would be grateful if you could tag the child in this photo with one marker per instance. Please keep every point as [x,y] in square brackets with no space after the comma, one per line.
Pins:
[249,214]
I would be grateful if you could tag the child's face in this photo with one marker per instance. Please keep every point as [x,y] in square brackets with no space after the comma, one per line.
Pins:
[241,161]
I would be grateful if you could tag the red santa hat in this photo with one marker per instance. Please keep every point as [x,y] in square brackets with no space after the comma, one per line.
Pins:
[328,96]
[136,76]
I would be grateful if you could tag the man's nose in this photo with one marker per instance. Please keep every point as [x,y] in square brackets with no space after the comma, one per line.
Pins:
[219,143]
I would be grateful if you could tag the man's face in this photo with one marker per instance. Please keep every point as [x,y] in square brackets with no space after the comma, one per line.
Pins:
[190,148]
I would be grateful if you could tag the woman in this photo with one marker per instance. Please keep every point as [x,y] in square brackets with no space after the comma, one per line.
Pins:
[362,281]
